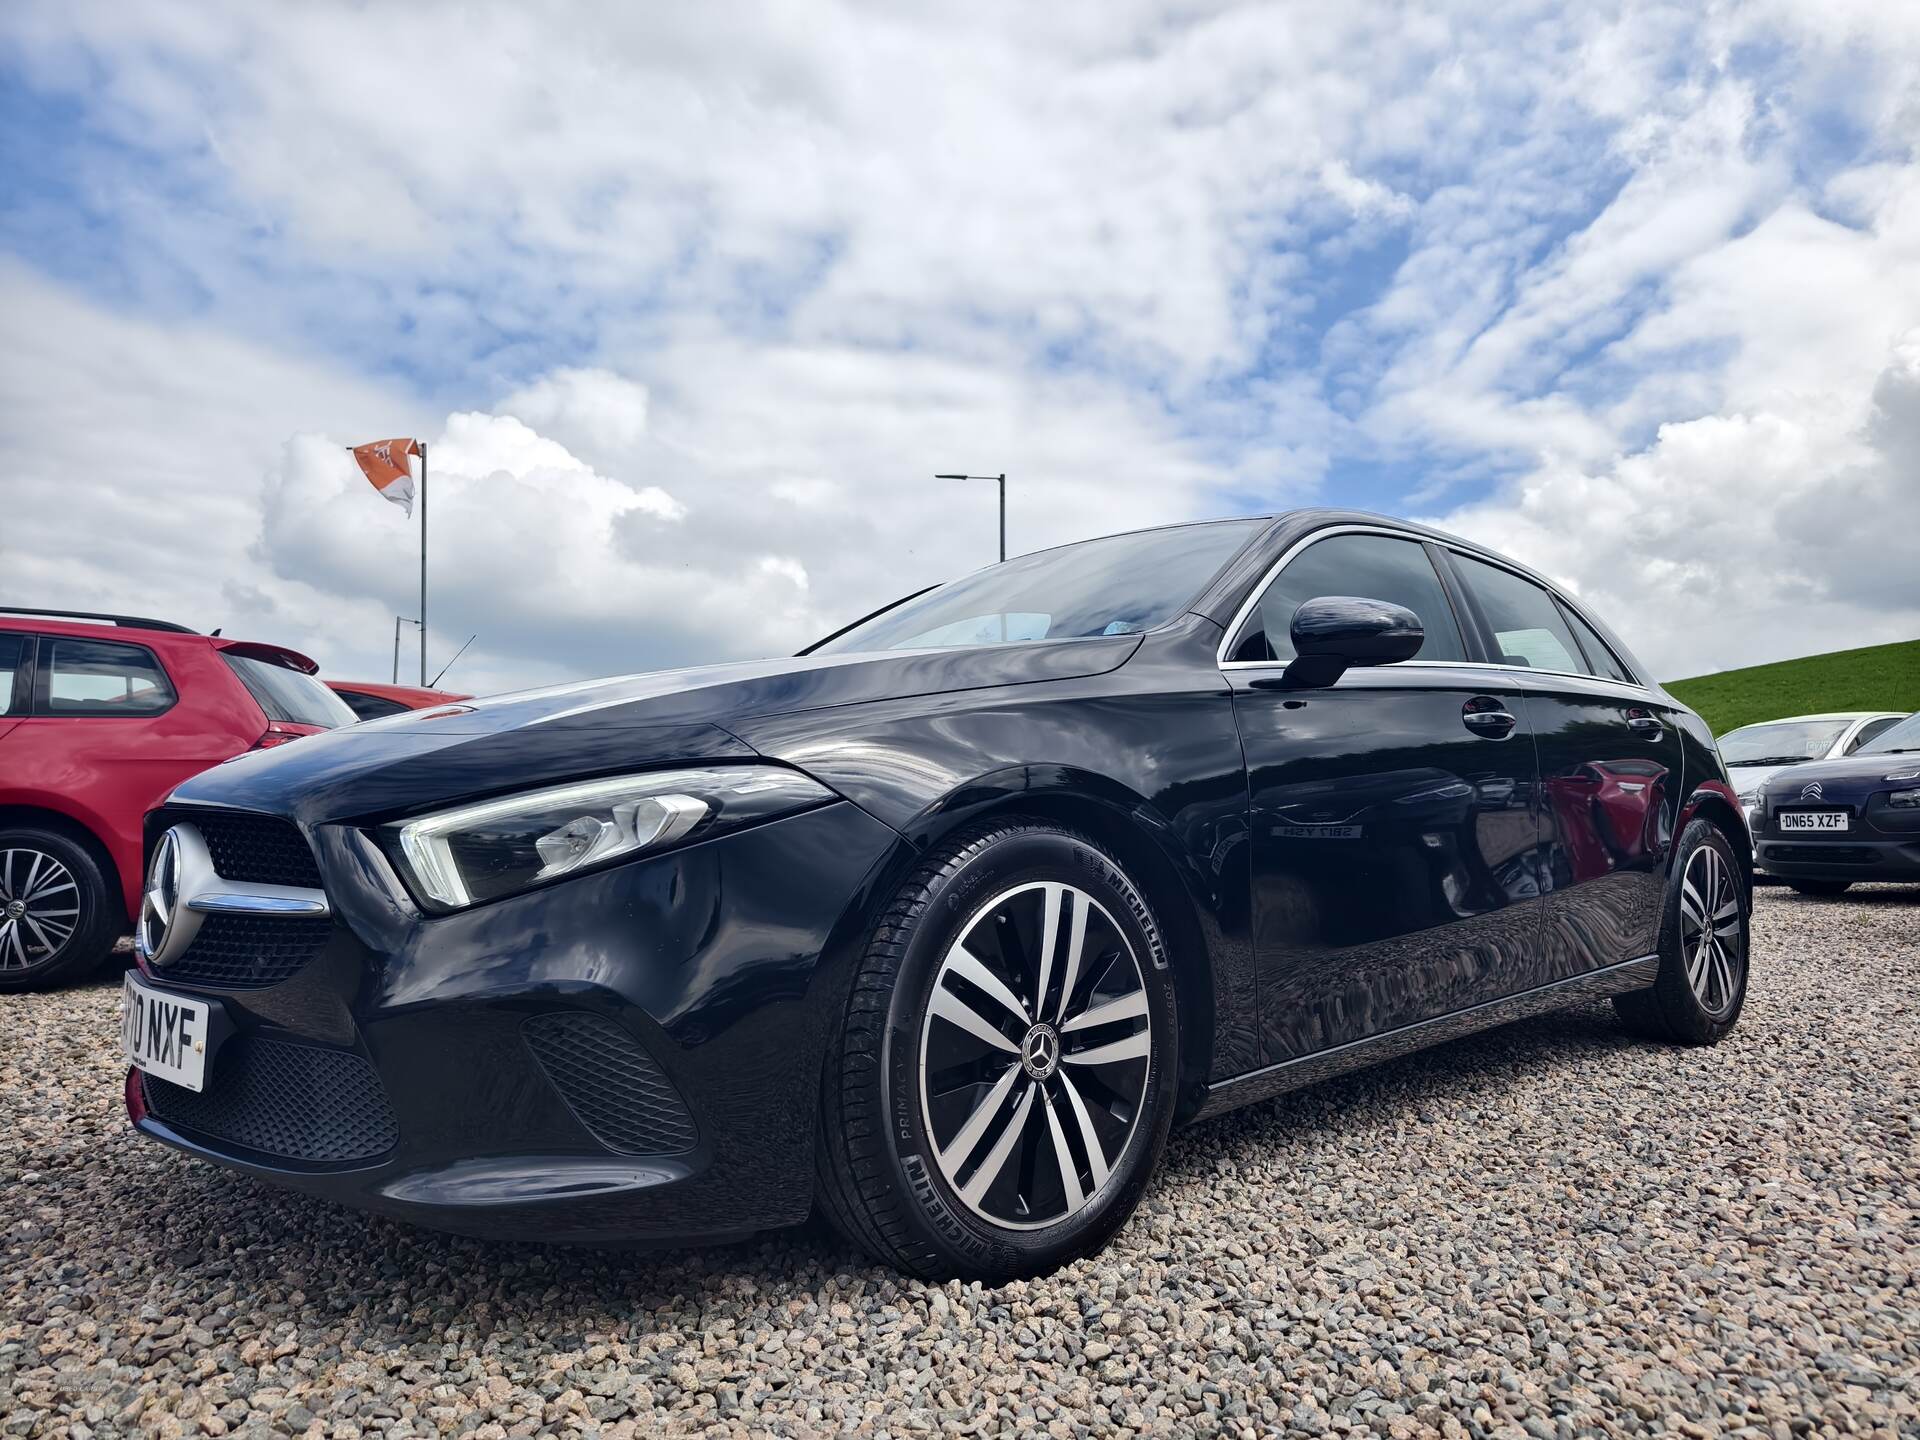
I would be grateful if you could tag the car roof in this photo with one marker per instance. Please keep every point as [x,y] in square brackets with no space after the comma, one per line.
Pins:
[1823,715]
[129,630]
[48,623]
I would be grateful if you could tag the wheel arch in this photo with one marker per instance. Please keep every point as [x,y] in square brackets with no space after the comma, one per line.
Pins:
[1717,804]
[1135,833]
[81,834]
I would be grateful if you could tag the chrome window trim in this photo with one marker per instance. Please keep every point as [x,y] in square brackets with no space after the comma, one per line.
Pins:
[1247,607]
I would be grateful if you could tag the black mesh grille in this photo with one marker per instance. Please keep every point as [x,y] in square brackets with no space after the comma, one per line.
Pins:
[261,848]
[297,1102]
[611,1084]
[246,952]
[1832,854]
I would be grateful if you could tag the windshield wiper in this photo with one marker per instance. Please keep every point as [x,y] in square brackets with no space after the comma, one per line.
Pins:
[1774,760]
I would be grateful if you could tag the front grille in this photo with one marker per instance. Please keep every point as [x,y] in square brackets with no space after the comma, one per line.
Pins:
[612,1086]
[295,1102]
[263,849]
[247,952]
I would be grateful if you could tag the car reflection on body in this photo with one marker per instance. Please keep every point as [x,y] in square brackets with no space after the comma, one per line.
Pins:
[941,931]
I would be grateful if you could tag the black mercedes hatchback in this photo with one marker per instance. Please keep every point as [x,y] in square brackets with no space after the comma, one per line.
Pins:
[943,924]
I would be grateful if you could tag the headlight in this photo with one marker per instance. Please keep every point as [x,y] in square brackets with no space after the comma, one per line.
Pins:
[1912,772]
[498,847]
[1904,800]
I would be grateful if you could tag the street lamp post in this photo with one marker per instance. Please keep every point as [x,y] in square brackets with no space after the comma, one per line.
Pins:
[1003,502]
[398,621]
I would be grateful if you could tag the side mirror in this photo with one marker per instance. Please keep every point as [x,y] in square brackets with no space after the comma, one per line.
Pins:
[1333,632]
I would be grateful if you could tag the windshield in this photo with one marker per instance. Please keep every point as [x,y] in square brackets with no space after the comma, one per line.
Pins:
[1119,585]
[1781,742]
[289,696]
[1901,739]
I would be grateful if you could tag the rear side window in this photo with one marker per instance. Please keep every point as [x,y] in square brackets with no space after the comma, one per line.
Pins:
[1376,567]
[369,707]
[100,677]
[1872,730]
[13,651]
[289,696]
[1600,659]
[1528,628]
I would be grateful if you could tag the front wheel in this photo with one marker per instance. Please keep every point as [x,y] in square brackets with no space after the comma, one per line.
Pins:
[1005,1079]
[58,920]
[1702,983]
[1826,889]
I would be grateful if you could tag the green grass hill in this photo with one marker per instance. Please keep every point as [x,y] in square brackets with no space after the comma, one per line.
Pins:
[1878,677]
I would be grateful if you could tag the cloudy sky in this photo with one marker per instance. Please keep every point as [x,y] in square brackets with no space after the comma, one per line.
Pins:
[690,301]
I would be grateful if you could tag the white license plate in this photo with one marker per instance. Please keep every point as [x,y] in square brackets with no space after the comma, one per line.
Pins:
[1813,819]
[164,1035]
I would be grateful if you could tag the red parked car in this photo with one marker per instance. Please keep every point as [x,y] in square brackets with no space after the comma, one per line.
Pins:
[370,700]
[100,717]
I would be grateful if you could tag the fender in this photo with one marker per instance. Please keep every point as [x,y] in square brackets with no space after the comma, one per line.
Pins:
[1152,764]
[1717,797]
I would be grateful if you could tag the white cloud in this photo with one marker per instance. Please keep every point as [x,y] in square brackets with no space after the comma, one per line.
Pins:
[690,304]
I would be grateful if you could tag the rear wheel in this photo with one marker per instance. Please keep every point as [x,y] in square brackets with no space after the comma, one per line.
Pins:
[1004,1083]
[1702,982]
[1825,888]
[57,919]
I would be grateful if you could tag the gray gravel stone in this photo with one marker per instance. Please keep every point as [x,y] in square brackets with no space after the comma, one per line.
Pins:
[1552,1230]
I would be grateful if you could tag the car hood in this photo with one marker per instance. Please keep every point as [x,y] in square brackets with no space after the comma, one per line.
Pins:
[1746,779]
[509,742]
[1846,780]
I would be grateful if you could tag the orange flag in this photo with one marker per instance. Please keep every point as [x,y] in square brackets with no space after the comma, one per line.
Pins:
[384,462]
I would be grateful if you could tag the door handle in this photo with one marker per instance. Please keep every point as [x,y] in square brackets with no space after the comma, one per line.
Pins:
[1484,717]
[1645,725]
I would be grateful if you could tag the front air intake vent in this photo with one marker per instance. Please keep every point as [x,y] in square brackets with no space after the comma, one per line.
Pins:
[297,1102]
[614,1088]
[249,952]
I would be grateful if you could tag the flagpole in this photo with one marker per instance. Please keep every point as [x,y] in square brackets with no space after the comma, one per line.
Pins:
[423,564]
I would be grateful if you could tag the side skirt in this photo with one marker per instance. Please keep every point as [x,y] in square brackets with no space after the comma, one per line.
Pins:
[1257,1085]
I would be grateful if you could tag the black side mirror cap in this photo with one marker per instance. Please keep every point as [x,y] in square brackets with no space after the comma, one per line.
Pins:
[1332,633]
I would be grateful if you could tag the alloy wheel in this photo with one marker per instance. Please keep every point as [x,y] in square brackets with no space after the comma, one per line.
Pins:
[1034,1055]
[1710,931]
[39,908]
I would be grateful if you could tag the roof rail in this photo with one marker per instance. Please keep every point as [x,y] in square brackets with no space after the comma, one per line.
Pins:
[130,622]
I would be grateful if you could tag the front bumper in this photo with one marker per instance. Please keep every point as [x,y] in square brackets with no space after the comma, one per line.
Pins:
[1850,857]
[631,1056]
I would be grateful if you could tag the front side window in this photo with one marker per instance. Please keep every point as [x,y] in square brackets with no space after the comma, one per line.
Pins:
[1119,585]
[1372,567]
[1781,742]
[101,677]
[1528,628]
[290,696]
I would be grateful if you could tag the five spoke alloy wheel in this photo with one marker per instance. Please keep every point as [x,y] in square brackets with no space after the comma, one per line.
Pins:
[1710,931]
[39,908]
[1034,1055]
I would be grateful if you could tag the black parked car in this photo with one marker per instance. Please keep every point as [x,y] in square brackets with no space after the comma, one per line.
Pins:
[944,923]
[1823,825]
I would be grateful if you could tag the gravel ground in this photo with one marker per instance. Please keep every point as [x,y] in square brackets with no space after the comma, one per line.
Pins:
[1548,1230]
